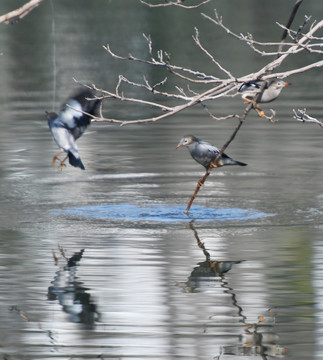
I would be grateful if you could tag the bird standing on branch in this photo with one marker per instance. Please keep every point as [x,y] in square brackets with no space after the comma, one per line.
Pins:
[205,153]
[70,124]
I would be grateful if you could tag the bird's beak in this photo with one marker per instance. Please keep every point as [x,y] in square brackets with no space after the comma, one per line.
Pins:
[179,146]
[288,84]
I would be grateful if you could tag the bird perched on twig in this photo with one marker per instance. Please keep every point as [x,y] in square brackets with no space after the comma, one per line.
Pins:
[270,92]
[205,153]
[67,126]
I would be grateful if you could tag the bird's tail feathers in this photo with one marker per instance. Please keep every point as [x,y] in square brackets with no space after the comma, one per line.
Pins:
[229,161]
[240,163]
[75,161]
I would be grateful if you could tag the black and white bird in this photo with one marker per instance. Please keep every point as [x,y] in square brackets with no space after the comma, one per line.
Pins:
[67,126]
[205,153]
[271,91]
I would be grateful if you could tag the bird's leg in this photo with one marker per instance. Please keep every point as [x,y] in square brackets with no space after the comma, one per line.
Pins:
[60,166]
[61,162]
[56,157]
[256,107]
[214,165]
[247,101]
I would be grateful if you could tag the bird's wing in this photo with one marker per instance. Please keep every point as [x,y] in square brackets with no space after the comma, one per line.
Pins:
[72,119]
[63,137]
[75,119]
[213,152]
[252,86]
[207,148]
[71,114]
[206,152]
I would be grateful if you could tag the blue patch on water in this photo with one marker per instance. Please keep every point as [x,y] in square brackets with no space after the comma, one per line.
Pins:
[161,213]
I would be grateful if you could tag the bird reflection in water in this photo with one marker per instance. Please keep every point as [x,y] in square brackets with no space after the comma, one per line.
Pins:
[71,294]
[253,341]
[208,268]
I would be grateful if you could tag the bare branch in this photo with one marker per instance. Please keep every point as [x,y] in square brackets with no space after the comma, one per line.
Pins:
[217,118]
[115,95]
[300,44]
[160,62]
[289,23]
[304,117]
[302,69]
[172,111]
[211,87]
[20,12]
[270,118]
[220,87]
[214,163]
[178,3]
[278,61]
[196,38]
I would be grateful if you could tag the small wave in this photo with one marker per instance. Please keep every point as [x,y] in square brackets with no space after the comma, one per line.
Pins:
[161,213]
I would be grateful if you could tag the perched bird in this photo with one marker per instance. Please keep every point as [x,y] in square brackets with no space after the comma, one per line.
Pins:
[70,124]
[270,92]
[205,153]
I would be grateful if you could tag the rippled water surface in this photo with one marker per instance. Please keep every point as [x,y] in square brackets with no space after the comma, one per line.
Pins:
[104,263]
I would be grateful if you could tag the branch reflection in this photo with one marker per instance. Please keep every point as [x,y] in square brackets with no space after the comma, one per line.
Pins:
[257,339]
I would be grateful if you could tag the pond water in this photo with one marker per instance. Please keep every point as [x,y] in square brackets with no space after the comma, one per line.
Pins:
[103,263]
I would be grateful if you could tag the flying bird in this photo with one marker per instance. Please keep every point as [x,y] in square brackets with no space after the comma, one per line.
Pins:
[67,126]
[205,153]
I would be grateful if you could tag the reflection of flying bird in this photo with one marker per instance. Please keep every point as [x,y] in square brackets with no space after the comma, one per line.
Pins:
[271,91]
[70,124]
[74,298]
[205,153]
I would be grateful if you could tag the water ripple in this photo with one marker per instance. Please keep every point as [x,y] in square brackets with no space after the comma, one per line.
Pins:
[161,213]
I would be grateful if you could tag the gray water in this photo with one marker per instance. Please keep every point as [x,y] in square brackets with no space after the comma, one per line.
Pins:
[103,263]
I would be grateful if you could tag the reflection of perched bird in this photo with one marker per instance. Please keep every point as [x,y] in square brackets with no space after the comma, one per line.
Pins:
[70,124]
[270,92]
[205,153]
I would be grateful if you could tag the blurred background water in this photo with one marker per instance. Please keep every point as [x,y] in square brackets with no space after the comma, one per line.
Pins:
[103,263]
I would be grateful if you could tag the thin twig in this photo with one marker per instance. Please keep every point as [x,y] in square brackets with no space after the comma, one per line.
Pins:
[196,38]
[160,62]
[199,242]
[252,104]
[178,3]
[222,86]
[20,12]
[304,117]
[214,163]
[289,23]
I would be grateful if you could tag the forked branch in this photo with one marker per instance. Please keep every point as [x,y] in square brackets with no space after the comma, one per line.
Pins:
[210,87]
[302,116]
